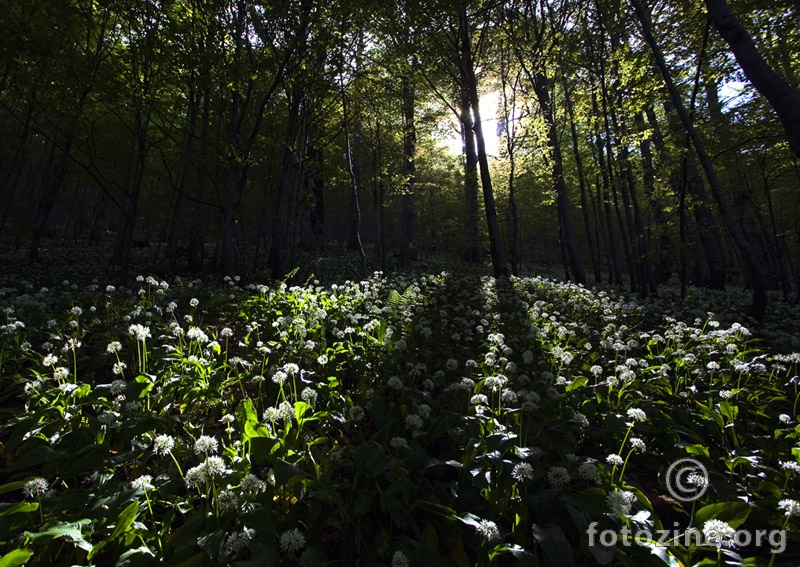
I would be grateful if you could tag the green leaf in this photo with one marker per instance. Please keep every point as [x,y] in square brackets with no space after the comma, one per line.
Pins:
[9,486]
[555,545]
[16,558]
[734,513]
[73,531]
[139,557]
[579,382]
[19,508]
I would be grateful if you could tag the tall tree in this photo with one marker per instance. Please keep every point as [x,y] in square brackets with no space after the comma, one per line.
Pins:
[780,94]
[466,52]
[753,269]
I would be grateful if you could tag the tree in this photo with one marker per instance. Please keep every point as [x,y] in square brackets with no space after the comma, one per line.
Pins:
[759,303]
[780,94]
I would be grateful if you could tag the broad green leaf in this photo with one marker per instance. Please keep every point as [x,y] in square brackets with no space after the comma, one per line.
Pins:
[555,545]
[20,507]
[16,558]
[734,513]
[72,531]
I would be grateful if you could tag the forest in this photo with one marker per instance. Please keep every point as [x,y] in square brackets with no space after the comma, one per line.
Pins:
[425,282]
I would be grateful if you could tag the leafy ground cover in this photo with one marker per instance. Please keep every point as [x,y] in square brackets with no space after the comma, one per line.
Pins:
[405,420]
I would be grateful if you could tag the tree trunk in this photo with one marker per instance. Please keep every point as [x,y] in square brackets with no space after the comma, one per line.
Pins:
[280,222]
[779,93]
[759,301]
[408,212]
[541,85]
[615,268]
[587,224]
[496,246]
[472,250]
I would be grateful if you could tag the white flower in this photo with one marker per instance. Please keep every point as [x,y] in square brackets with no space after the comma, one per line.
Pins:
[488,529]
[589,472]
[397,442]
[145,482]
[194,302]
[791,507]
[414,422]
[215,466]
[227,500]
[251,483]
[636,414]
[322,359]
[35,487]
[522,472]
[719,533]
[113,346]
[495,382]
[139,331]
[620,502]
[399,559]
[50,360]
[356,413]
[236,541]
[785,419]
[791,466]
[271,414]
[558,476]
[196,476]
[292,541]
[205,444]
[581,420]
[395,383]
[60,373]
[163,444]
[638,444]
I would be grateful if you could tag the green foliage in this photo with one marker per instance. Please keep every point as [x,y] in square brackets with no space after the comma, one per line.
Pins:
[461,420]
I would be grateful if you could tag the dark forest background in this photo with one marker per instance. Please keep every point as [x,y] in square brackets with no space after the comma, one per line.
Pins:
[637,143]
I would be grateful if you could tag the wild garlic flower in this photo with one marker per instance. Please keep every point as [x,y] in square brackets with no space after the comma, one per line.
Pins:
[636,414]
[145,482]
[205,444]
[292,541]
[620,502]
[522,472]
[163,444]
[399,559]
[791,466]
[35,487]
[558,476]
[719,533]
[790,507]
[252,484]
[227,500]
[488,529]
[140,332]
[615,460]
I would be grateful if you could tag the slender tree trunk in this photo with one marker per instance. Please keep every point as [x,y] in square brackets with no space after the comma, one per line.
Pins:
[759,302]
[615,269]
[665,256]
[779,93]
[280,222]
[587,224]
[472,251]
[541,85]
[496,246]
[408,213]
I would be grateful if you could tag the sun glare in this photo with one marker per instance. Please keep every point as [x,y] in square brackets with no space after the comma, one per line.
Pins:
[489,105]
